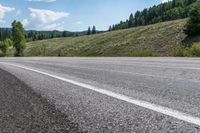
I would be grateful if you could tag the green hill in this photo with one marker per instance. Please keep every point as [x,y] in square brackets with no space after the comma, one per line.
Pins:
[152,40]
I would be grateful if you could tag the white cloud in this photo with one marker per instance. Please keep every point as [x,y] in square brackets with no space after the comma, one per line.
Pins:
[44,19]
[41,0]
[4,10]
[166,1]
[25,22]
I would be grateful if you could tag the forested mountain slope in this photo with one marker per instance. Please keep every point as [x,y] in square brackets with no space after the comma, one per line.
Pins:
[172,10]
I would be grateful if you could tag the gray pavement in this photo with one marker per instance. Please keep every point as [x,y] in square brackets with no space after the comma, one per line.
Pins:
[24,111]
[168,82]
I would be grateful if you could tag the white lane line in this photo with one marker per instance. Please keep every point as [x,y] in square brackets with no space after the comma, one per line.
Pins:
[157,108]
[124,72]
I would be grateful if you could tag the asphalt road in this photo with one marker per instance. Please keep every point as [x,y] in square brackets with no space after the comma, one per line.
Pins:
[24,111]
[109,94]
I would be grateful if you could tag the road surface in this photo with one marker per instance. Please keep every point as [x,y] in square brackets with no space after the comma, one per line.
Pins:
[105,94]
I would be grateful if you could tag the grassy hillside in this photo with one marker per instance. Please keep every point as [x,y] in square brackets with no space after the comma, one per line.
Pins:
[153,40]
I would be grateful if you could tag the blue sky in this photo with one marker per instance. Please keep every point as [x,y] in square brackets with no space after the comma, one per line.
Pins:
[71,15]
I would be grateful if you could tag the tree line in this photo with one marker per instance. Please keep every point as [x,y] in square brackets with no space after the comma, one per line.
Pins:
[41,35]
[32,35]
[172,10]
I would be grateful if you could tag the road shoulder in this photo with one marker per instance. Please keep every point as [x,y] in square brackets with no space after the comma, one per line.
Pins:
[22,110]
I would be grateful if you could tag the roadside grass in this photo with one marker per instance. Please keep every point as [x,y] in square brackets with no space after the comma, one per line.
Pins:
[193,51]
[143,53]
[152,40]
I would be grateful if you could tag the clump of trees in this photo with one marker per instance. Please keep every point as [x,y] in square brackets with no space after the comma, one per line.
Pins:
[172,10]
[41,35]
[192,27]
[18,37]
[17,40]
[93,31]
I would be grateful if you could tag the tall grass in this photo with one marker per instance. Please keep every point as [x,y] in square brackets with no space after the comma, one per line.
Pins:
[193,51]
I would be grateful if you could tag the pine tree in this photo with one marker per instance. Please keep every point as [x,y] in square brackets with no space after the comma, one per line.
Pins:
[130,21]
[137,18]
[173,3]
[64,34]
[113,27]
[89,31]
[110,28]
[94,30]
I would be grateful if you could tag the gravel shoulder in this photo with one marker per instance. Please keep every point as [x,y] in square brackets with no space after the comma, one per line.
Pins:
[22,110]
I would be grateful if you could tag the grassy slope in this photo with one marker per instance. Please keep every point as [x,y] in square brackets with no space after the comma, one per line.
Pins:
[153,40]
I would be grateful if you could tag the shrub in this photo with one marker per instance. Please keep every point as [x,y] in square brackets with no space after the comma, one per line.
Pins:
[5,45]
[195,50]
[182,51]
[178,51]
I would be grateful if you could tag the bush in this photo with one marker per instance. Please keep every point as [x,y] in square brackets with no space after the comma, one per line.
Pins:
[195,50]
[178,51]
[182,51]
[4,46]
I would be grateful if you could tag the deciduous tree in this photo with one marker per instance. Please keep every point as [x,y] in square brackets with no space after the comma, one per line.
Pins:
[18,36]
[192,27]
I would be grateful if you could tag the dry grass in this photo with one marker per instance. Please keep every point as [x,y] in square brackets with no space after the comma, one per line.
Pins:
[153,40]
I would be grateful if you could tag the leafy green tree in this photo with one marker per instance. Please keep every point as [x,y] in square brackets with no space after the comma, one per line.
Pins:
[192,27]
[18,36]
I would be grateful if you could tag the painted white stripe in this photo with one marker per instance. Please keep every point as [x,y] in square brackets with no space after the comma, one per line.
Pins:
[157,108]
